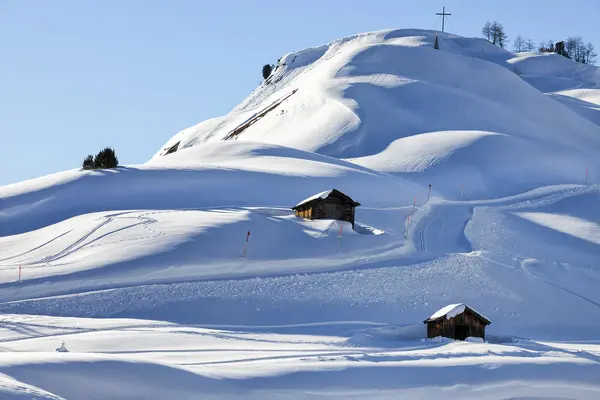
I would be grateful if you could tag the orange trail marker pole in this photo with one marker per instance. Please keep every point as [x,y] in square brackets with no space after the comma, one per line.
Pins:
[339,239]
[246,245]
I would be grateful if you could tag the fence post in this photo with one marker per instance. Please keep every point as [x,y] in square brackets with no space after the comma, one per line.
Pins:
[246,245]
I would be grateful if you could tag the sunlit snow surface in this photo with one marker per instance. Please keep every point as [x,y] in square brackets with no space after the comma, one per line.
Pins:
[190,277]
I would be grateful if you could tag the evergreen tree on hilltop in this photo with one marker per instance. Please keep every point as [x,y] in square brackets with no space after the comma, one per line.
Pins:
[105,159]
[88,162]
[559,48]
[266,71]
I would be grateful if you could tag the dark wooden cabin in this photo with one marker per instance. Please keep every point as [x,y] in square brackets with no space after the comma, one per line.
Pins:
[331,204]
[456,321]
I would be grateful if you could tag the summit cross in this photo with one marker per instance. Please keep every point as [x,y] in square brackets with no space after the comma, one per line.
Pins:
[443,14]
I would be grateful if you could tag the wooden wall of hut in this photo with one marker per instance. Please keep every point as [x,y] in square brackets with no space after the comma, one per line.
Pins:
[446,327]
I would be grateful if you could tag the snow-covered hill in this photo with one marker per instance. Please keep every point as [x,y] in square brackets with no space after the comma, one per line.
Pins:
[389,101]
[190,273]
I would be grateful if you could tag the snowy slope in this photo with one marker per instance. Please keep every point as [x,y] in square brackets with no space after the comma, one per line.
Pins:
[574,85]
[179,300]
[222,174]
[137,359]
[370,96]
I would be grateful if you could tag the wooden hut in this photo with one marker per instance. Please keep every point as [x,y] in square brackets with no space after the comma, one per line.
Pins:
[331,204]
[456,321]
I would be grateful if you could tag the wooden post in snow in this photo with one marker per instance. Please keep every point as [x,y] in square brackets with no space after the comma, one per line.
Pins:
[339,239]
[246,245]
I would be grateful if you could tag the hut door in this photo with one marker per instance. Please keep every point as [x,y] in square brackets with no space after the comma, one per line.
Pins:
[334,211]
[461,332]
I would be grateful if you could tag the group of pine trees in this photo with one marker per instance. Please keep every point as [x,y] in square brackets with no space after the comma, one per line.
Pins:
[573,48]
[106,158]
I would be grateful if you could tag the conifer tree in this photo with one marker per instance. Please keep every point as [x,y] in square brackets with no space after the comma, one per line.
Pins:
[88,162]
[106,158]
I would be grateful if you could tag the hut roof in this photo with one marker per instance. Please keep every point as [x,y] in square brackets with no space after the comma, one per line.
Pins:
[326,194]
[452,310]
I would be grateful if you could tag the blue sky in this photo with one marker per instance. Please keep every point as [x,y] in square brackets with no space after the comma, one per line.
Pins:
[79,75]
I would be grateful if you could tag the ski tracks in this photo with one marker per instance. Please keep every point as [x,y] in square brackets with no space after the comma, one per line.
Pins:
[422,226]
[83,241]
[72,247]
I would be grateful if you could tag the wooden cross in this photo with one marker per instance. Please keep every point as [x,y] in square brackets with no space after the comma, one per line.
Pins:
[443,14]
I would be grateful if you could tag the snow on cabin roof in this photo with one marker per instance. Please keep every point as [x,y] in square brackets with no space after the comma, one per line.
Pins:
[452,310]
[326,194]
[322,195]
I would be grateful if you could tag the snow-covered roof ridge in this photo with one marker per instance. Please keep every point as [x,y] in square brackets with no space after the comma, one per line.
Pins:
[322,195]
[452,310]
[326,194]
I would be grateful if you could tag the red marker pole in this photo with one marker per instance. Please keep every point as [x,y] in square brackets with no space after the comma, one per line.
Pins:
[246,245]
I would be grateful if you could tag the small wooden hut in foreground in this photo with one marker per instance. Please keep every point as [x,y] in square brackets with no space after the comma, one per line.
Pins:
[456,321]
[331,204]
